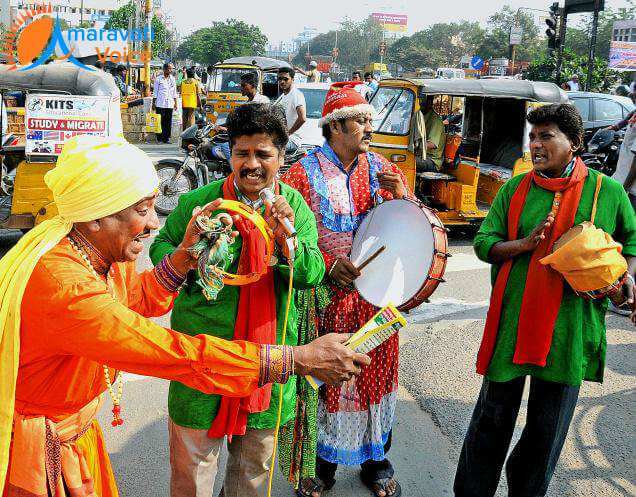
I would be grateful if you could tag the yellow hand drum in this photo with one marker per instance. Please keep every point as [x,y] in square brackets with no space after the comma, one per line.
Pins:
[262,226]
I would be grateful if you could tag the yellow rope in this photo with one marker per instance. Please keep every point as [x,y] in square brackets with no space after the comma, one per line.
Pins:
[280,394]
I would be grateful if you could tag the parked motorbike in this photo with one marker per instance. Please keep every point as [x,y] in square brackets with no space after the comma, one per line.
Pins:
[603,150]
[10,155]
[206,159]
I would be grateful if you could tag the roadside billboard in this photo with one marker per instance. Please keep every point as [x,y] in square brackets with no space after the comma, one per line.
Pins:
[622,56]
[391,22]
[53,119]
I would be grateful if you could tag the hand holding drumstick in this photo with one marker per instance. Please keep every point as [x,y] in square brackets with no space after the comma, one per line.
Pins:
[344,272]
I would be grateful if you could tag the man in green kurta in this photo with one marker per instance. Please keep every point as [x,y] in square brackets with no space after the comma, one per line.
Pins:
[537,329]
[258,138]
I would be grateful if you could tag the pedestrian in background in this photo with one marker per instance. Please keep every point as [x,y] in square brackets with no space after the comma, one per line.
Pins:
[120,79]
[190,98]
[165,100]
[313,74]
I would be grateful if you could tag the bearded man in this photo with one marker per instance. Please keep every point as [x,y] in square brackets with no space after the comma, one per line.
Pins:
[341,181]
[73,312]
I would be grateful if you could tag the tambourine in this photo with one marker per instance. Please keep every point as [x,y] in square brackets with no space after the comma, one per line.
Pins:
[257,220]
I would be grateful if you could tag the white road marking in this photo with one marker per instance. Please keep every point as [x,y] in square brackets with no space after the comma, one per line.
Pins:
[465,262]
[438,308]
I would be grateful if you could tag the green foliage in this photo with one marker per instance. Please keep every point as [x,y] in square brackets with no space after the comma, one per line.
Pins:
[160,34]
[603,78]
[577,38]
[224,39]
[444,44]
[358,43]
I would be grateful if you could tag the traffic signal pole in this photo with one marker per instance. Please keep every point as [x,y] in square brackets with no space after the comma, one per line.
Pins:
[562,31]
[590,62]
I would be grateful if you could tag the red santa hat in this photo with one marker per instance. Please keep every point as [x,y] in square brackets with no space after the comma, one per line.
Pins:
[344,101]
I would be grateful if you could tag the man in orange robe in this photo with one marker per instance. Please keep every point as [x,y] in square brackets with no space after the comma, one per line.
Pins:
[73,312]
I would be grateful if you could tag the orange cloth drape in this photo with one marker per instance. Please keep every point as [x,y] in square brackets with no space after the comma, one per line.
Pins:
[61,456]
[71,326]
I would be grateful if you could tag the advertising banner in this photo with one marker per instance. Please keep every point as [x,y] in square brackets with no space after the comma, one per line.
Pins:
[391,22]
[50,120]
[622,56]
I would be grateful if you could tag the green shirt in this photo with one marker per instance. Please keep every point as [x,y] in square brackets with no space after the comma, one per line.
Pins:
[435,134]
[193,314]
[578,345]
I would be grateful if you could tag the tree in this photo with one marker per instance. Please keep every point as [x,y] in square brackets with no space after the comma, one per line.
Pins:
[442,44]
[160,34]
[496,42]
[225,39]
[577,38]
[603,78]
[358,43]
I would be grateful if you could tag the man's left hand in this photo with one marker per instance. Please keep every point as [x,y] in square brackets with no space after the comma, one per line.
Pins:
[392,183]
[626,296]
[279,211]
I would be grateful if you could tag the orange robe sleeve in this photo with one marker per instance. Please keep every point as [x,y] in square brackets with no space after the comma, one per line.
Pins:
[78,316]
[146,295]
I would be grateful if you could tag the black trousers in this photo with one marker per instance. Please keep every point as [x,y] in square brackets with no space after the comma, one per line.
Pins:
[532,462]
[166,124]
[369,470]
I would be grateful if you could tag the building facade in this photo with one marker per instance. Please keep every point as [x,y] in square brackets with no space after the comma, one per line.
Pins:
[95,12]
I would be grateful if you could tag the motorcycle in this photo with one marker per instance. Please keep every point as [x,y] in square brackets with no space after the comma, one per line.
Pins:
[10,155]
[603,150]
[198,167]
[206,159]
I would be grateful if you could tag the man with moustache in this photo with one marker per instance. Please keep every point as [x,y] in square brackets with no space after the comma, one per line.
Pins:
[200,422]
[74,314]
[341,181]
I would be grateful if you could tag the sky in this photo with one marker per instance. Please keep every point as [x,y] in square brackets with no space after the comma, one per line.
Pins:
[282,20]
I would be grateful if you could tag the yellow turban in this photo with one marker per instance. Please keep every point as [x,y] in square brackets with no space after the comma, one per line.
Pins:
[94,177]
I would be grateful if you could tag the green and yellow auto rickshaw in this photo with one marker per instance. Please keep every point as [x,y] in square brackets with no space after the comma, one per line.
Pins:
[485,144]
[225,89]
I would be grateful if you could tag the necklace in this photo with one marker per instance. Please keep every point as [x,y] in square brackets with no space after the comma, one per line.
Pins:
[116,397]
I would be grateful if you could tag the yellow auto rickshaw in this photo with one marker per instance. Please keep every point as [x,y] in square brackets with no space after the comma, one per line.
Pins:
[47,105]
[487,145]
[225,88]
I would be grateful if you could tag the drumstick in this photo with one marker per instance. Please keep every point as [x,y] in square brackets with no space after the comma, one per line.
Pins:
[370,258]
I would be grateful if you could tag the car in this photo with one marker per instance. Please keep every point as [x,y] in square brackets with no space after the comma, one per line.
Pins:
[315,94]
[600,110]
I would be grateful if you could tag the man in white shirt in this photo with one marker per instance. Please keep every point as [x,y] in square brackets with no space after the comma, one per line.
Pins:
[209,84]
[574,83]
[363,90]
[292,103]
[165,100]
[249,89]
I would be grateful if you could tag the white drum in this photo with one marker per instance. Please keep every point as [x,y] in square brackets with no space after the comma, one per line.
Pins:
[411,265]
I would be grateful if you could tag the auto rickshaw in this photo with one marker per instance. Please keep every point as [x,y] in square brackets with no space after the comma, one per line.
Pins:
[225,91]
[488,146]
[25,200]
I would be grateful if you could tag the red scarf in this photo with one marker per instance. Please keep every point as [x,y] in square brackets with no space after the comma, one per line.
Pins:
[255,322]
[544,287]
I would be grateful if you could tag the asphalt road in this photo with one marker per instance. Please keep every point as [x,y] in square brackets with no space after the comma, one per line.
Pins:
[437,394]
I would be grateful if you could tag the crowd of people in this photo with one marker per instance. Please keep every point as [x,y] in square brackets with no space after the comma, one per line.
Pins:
[74,313]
